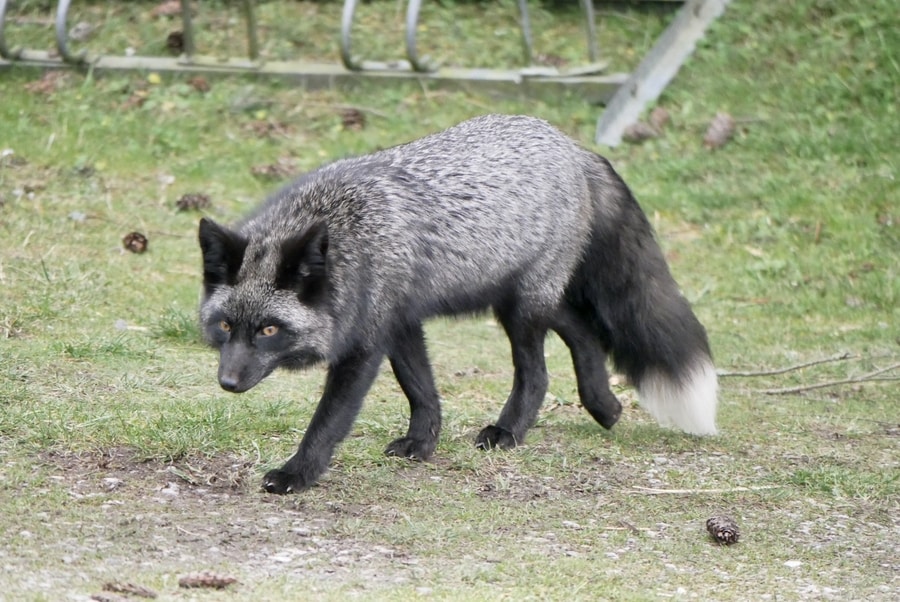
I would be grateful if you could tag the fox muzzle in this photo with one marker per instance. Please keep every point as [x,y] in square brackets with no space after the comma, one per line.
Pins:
[240,368]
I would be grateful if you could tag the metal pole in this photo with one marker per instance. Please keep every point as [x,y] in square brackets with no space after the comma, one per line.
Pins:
[591,27]
[346,25]
[525,25]
[187,30]
[252,34]
[62,35]
[5,52]
[422,65]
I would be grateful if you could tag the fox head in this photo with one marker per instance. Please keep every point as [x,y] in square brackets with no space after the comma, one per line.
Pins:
[265,302]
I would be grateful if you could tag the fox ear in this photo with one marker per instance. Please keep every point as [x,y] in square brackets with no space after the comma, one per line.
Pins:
[223,253]
[302,264]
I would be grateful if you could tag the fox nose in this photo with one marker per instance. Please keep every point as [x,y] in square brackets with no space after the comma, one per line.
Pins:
[229,382]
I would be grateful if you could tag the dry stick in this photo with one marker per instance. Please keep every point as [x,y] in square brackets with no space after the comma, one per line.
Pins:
[836,358]
[652,491]
[153,232]
[834,383]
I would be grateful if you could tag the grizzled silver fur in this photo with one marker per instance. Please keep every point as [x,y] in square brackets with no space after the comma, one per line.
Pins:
[499,212]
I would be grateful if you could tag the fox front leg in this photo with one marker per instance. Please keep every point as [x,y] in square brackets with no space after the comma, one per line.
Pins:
[409,360]
[347,383]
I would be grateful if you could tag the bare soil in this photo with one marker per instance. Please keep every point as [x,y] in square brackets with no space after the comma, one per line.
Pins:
[172,519]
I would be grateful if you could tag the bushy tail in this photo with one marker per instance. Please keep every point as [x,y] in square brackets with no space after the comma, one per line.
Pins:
[625,290]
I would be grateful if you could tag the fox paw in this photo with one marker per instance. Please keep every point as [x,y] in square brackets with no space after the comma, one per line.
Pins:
[412,448]
[281,482]
[494,436]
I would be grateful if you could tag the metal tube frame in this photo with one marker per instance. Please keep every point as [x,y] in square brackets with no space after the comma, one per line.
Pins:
[412,65]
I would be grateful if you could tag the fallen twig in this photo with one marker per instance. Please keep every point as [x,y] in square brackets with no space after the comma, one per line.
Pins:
[871,376]
[629,526]
[653,491]
[776,371]
[343,106]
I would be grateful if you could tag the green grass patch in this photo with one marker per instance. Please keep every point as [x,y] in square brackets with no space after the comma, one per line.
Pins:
[119,454]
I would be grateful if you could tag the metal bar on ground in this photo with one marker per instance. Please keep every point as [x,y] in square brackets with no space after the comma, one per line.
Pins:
[592,87]
[658,68]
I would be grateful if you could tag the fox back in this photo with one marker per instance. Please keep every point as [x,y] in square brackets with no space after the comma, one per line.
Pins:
[447,224]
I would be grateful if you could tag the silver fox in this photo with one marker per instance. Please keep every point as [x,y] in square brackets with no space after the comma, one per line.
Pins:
[499,212]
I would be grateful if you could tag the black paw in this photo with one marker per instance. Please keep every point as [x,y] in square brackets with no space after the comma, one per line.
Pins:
[606,408]
[409,447]
[494,436]
[280,482]
[610,415]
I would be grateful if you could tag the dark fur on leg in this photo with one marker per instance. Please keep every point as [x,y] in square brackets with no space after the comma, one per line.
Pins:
[589,359]
[529,384]
[346,386]
[409,360]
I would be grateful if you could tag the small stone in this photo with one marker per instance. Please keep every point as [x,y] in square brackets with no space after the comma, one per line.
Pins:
[111,483]
[170,490]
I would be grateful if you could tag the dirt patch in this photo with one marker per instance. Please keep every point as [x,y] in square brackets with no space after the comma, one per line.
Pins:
[174,518]
[116,468]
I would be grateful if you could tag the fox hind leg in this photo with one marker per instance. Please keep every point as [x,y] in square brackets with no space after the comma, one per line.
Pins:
[526,338]
[409,360]
[589,360]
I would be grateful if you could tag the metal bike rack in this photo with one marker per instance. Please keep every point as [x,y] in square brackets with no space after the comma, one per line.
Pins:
[627,94]
[587,79]
[657,68]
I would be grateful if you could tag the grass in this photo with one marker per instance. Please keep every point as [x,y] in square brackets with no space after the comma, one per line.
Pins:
[786,240]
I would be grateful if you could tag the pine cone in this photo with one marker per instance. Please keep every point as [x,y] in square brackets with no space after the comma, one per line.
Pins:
[353,119]
[175,42]
[192,202]
[659,118]
[206,579]
[720,131]
[199,84]
[284,168]
[135,242]
[638,132]
[723,529]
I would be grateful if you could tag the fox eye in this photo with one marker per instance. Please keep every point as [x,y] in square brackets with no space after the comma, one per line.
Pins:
[224,326]
[268,331]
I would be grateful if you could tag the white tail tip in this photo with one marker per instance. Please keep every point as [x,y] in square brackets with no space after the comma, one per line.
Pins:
[689,405]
